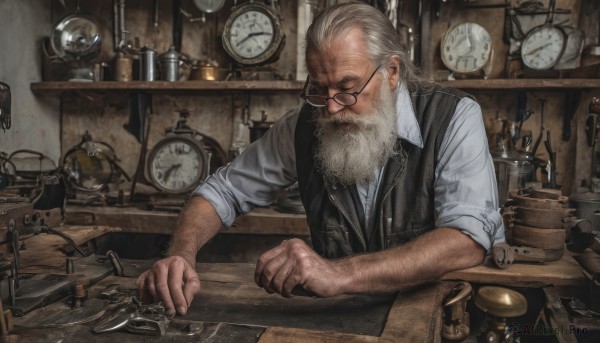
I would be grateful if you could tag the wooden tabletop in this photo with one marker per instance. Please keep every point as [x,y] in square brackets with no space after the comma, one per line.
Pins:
[232,308]
[46,252]
[231,305]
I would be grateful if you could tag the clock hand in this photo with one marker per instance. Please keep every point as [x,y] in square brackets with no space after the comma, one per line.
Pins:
[252,34]
[471,45]
[538,49]
[170,171]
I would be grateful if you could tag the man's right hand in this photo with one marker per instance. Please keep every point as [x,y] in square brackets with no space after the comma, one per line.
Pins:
[171,280]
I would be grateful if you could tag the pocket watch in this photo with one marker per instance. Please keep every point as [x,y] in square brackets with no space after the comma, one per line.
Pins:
[176,164]
[466,48]
[543,46]
[253,34]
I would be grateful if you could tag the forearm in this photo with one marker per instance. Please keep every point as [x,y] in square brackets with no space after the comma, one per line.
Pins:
[426,258]
[198,223]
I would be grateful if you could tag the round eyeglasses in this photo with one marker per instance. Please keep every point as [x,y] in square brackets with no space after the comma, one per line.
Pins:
[342,98]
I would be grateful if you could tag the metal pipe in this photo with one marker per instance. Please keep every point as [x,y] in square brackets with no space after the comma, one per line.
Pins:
[122,30]
[115,25]
[119,24]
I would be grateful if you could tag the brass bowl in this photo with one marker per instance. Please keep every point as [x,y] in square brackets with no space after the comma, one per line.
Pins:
[501,302]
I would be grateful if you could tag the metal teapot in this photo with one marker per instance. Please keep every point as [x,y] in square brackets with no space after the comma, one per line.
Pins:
[173,65]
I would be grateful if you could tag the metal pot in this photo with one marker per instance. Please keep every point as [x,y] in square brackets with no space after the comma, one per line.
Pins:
[172,65]
[513,172]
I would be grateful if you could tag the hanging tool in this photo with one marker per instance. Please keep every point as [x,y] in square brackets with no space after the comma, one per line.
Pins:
[4,106]
[542,129]
[155,23]
[551,162]
[572,98]
[592,126]
[522,115]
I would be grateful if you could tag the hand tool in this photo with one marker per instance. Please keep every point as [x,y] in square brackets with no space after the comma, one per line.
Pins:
[504,255]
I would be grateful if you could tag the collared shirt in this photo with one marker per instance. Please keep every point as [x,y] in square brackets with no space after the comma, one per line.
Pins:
[465,184]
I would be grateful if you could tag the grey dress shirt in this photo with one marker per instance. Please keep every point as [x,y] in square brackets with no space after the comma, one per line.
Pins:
[465,185]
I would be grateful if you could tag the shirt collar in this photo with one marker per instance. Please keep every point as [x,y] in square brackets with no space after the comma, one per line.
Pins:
[407,124]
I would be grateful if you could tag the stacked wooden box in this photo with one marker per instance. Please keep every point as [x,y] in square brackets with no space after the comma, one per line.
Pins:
[540,219]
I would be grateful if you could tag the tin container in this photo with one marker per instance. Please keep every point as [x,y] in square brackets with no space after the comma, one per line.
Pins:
[148,69]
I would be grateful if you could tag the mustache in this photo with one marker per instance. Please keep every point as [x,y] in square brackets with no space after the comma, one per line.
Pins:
[345,117]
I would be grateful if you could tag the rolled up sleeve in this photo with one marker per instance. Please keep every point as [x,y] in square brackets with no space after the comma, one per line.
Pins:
[466,195]
[257,175]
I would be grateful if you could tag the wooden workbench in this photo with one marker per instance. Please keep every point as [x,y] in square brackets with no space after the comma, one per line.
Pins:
[232,308]
[47,253]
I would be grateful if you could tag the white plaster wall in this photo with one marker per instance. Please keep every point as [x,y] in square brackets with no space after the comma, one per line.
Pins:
[35,119]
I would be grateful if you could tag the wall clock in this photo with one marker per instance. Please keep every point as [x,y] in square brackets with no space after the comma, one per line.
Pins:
[467,49]
[177,164]
[253,34]
[543,46]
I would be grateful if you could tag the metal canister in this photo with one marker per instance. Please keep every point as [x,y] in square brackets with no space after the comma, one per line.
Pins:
[148,70]
[170,63]
[513,171]
[123,68]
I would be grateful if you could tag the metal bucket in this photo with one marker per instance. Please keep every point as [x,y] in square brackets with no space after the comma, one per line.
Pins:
[512,175]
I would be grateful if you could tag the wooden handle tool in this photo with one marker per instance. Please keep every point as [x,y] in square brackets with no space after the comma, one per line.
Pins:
[504,255]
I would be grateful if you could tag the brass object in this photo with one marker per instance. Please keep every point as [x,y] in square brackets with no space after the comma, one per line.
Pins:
[123,69]
[456,317]
[501,302]
[208,73]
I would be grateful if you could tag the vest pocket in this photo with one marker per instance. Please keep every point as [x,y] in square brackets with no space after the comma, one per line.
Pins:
[336,241]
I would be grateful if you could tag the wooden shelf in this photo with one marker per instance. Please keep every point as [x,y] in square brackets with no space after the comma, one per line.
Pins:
[164,86]
[204,86]
[517,84]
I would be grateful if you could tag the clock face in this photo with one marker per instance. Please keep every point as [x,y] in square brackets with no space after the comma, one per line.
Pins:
[253,35]
[176,165]
[542,47]
[466,48]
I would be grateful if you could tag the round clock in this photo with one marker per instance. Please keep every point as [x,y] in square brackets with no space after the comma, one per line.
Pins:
[543,46]
[176,164]
[253,35]
[466,48]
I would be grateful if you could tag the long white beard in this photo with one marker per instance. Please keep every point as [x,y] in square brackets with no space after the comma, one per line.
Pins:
[352,147]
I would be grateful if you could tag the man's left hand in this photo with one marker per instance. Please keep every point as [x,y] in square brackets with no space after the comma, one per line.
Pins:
[293,263]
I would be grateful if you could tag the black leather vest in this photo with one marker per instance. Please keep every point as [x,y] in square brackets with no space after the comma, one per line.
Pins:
[405,201]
